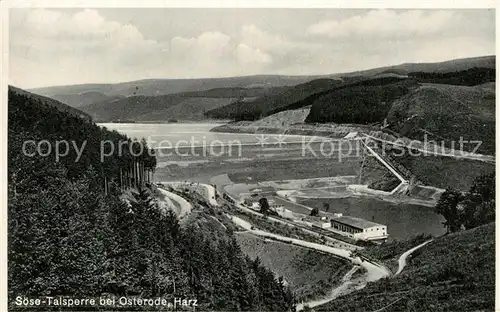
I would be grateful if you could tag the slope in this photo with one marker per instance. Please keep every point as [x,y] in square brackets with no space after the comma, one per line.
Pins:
[469,77]
[268,104]
[458,72]
[445,112]
[50,102]
[438,67]
[309,273]
[191,108]
[451,273]
[170,86]
[185,106]
[361,103]
[61,215]
[129,108]
[82,99]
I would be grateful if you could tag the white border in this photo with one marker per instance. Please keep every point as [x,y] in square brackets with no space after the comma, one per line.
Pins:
[346,4]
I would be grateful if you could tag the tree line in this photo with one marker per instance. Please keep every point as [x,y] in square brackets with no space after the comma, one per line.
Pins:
[131,164]
[469,77]
[471,209]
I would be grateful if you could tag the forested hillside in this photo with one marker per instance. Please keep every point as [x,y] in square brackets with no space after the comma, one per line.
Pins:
[488,61]
[469,77]
[447,112]
[254,97]
[361,103]
[270,103]
[444,101]
[179,106]
[51,102]
[70,232]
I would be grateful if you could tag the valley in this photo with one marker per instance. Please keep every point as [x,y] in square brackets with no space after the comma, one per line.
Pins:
[334,192]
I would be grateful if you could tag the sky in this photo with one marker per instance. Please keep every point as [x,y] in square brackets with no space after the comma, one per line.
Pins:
[50,47]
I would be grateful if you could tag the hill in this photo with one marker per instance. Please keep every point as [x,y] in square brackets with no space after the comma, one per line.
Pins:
[82,99]
[192,108]
[309,273]
[169,86]
[361,103]
[272,102]
[68,219]
[469,77]
[179,106]
[452,273]
[372,90]
[447,112]
[435,67]
[252,97]
[35,98]
[152,87]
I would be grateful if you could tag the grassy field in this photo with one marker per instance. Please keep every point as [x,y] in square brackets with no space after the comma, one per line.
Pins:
[310,274]
[452,273]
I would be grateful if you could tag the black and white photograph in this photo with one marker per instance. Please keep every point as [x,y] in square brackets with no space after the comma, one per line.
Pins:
[230,157]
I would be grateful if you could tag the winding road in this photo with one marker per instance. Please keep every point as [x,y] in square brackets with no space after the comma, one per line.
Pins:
[405,255]
[374,271]
[205,190]
[185,207]
[347,286]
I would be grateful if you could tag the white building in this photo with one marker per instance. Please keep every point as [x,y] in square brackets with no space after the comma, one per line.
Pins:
[326,225]
[273,205]
[285,213]
[357,228]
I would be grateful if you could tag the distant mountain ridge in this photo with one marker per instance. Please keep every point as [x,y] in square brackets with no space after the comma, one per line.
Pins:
[154,87]
[488,61]
[254,97]
[170,86]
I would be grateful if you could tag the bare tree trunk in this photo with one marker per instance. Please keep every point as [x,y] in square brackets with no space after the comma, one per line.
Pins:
[141,173]
[121,179]
[136,174]
[126,179]
[132,167]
